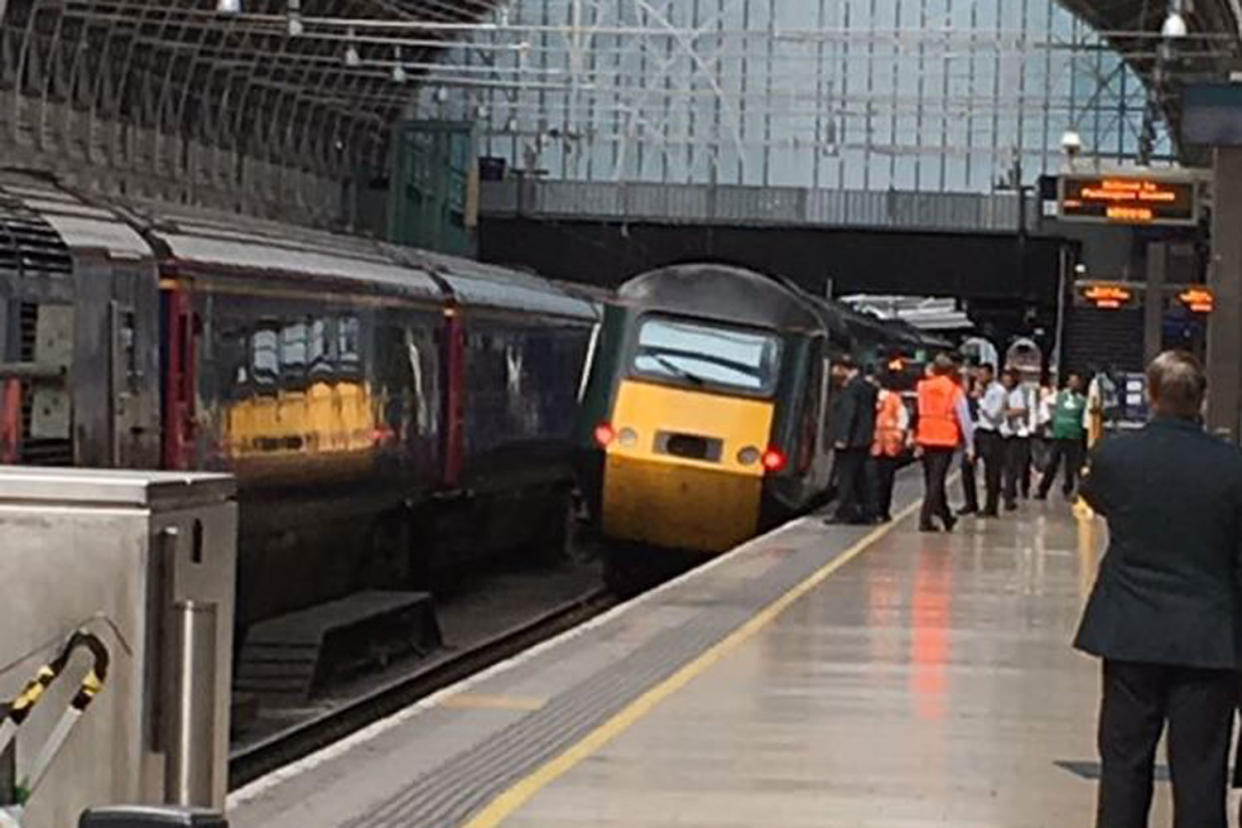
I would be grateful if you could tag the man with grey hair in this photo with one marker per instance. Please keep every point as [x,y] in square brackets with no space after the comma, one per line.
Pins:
[1166,614]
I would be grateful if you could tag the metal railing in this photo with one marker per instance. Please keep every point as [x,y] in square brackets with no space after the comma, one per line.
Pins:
[742,205]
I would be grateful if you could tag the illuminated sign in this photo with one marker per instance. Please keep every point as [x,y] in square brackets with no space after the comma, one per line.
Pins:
[1197,299]
[1105,295]
[1127,199]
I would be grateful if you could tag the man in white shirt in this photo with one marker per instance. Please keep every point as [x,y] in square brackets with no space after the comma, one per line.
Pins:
[1015,430]
[992,396]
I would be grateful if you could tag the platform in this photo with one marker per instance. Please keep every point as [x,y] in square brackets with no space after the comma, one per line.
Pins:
[817,676]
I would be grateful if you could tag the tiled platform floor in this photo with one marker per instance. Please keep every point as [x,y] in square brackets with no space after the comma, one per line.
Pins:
[928,680]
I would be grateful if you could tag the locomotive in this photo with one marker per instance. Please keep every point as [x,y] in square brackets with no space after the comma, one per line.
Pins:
[706,416]
[390,414]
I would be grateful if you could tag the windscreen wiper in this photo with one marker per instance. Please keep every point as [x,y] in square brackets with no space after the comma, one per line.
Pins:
[676,370]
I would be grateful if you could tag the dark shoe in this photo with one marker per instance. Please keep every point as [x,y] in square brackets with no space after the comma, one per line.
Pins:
[1041,495]
[968,510]
[928,527]
[949,523]
[1069,495]
[989,513]
[1010,506]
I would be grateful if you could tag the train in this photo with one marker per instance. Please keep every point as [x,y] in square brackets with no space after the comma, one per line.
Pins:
[706,412]
[391,415]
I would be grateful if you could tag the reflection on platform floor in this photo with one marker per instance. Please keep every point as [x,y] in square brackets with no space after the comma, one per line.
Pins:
[929,682]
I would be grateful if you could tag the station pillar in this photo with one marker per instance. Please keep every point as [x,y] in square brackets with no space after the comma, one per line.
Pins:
[1153,307]
[1224,331]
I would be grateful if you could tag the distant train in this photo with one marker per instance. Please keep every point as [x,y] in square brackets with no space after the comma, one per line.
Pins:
[705,418]
[389,414]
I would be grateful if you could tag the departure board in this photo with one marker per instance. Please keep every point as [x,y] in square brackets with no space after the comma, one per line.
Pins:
[1105,295]
[1128,199]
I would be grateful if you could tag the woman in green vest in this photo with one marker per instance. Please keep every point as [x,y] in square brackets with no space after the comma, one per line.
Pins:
[1068,434]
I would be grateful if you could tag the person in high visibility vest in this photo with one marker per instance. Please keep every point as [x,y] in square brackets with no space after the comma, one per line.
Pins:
[944,426]
[892,438]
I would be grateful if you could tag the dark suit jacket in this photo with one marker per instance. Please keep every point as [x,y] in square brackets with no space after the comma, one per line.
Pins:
[853,414]
[1168,588]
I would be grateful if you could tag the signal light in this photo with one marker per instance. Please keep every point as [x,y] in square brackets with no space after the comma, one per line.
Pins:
[774,460]
[627,437]
[604,434]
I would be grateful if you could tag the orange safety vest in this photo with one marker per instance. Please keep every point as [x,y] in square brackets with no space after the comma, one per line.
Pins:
[890,437]
[938,426]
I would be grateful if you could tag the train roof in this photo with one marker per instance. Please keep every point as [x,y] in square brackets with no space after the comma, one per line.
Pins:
[721,292]
[128,228]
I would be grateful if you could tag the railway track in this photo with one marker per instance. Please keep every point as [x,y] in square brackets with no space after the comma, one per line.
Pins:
[255,760]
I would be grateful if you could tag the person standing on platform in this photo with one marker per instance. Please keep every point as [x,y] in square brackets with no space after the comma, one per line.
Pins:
[1068,433]
[853,430]
[892,437]
[1016,431]
[943,427]
[988,440]
[1041,440]
[970,483]
[1165,614]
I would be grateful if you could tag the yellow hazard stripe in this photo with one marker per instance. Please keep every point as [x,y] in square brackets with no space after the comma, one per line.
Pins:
[33,691]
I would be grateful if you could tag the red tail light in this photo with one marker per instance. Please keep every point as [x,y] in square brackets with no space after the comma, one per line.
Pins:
[774,460]
[604,434]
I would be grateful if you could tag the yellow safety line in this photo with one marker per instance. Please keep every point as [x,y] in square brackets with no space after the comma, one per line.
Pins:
[520,793]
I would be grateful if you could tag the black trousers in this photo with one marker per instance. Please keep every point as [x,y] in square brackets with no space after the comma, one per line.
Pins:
[991,451]
[1071,451]
[936,462]
[883,474]
[852,483]
[1198,706]
[1017,467]
[970,485]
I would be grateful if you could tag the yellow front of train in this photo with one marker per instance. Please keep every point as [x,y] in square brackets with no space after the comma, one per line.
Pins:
[687,440]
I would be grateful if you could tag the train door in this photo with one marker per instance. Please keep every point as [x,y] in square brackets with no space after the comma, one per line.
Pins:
[115,389]
[821,476]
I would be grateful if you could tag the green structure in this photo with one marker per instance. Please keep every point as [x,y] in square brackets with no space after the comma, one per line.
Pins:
[434,186]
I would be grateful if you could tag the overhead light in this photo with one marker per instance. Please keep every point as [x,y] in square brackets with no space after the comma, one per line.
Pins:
[481,111]
[296,27]
[229,6]
[1071,142]
[399,74]
[1174,25]
[352,58]
[441,94]
[511,125]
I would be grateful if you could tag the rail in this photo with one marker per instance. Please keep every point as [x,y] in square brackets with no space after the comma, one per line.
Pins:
[292,744]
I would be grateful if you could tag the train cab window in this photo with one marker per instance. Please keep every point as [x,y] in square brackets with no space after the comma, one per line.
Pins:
[706,354]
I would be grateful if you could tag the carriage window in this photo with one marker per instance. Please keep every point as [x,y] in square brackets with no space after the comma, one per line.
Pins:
[700,354]
[265,355]
[347,338]
[293,348]
[317,347]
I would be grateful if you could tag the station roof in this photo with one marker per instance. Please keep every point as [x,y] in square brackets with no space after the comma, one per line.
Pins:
[192,68]
[1210,50]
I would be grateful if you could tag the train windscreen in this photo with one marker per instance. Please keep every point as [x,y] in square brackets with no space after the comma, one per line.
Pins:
[701,354]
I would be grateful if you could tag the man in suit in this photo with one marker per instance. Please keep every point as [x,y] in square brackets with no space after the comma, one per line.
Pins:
[1165,614]
[853,429]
